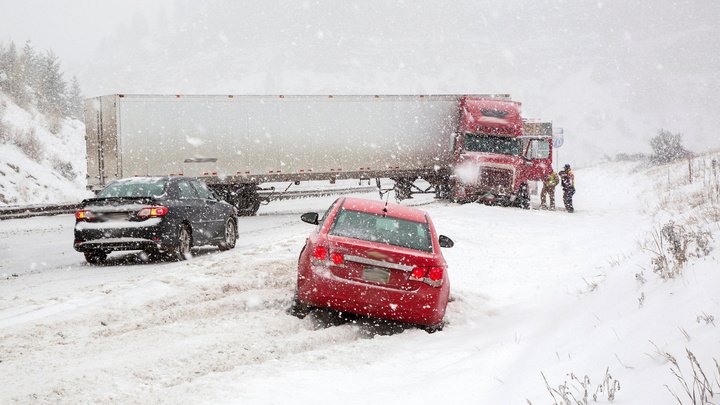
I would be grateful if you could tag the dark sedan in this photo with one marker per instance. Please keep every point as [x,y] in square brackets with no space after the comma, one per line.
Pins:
[163,216]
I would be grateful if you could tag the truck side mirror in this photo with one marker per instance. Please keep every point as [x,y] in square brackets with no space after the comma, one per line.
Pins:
[446,242]
[310,218]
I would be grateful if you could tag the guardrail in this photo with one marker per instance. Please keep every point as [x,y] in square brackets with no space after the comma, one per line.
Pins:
[26,211]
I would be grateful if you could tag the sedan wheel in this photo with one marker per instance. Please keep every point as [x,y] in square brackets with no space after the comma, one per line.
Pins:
[182,250]
[230,236]
[298,309]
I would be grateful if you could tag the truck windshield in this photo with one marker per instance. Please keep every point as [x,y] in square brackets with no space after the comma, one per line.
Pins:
[383,229]
[133,188]
[492,144]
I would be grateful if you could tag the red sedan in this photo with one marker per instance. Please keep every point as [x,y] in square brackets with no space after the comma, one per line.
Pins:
[375,259]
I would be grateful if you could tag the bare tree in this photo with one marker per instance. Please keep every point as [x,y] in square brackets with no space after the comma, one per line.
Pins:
[667,147]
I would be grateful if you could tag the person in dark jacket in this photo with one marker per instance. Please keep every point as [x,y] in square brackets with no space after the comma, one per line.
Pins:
[567,181]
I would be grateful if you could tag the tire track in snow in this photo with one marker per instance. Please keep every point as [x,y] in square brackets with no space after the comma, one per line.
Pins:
[212,313]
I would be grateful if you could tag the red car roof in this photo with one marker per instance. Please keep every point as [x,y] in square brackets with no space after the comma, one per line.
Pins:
[376,207]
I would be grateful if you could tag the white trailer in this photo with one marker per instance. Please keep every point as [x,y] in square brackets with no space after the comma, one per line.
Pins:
[235,143]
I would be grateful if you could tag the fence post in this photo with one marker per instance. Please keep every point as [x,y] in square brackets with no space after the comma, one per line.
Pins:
[716,183]
[690,169]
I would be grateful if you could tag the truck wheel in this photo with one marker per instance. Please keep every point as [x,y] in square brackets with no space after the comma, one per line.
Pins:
[95,257]
[443,191]
[230,236]
[181,251]
[522,199]
[248,202]
[403,189]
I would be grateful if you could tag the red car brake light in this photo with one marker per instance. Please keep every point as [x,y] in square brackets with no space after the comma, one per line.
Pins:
[429,275]
[84,215]
[337,258]
[152,212]
[435,273]
[418,273]
[320,253]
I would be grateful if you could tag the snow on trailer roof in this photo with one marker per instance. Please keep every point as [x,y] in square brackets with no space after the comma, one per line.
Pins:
[142,180]
[501,96]
[393,210]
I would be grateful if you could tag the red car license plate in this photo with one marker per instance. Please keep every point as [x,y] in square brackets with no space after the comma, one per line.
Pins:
[376,275]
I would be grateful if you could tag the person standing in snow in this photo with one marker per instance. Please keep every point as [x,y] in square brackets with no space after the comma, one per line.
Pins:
[567,180]
[549,183]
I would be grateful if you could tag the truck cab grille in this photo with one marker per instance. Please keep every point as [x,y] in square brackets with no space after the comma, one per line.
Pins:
[493,178]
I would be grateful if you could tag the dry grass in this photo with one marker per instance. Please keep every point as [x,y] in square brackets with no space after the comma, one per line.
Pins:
[699,389]
[671,245]
[576,391]
[29,143]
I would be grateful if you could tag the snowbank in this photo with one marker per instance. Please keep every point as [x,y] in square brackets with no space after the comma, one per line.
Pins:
[36,165]
[566,295]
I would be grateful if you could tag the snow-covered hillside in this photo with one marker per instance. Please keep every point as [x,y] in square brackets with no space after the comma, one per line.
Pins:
[37,165]
[533,292]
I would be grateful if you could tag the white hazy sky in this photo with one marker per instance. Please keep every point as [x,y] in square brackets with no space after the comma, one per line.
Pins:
[610,72]
[72,29]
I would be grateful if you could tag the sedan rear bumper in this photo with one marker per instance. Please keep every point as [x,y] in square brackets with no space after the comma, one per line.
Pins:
[422,306]
[151,235]
[112,244]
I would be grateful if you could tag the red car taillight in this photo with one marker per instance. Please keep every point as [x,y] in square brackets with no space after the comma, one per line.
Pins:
[432,276]
[320,253]
[418,273]
[337,258]
[84,215]
[435,273]
[153,212]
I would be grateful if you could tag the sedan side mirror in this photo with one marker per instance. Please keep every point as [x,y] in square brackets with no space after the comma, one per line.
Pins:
[310,218]
[446,242]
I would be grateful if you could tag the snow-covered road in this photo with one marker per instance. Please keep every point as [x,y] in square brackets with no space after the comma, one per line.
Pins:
[215,329]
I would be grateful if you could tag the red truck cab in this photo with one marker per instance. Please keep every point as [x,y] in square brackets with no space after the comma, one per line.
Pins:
[497,152]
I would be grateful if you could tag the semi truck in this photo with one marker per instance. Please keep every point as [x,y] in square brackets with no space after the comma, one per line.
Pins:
[465,147]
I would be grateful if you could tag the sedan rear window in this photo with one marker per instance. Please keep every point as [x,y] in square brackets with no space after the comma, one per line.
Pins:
[134,189]
[383,229]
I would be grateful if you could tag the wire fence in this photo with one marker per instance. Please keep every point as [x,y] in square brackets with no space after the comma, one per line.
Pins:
[705,169]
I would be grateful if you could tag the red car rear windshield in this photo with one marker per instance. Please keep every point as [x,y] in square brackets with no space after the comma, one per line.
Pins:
[383,229]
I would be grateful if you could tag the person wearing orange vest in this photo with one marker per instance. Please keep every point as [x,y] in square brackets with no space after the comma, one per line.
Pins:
[549,183]
[567,180]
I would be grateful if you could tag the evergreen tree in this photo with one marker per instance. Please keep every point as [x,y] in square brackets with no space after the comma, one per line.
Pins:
[32,79]
[14,85]
[52,88]
[75,100]
[4,77]
[29,67]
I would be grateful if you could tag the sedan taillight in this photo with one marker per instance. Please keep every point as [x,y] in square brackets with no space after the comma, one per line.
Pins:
[320,253]
[432,276]
[84,215]
[337,258]
[152,212]
[435,273]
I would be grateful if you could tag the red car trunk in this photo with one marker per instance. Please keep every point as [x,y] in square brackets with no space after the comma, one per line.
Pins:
[376,263]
